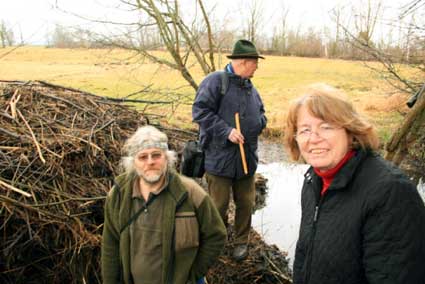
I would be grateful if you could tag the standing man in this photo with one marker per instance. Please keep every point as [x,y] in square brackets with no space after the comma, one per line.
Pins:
[160,227]
[214,111]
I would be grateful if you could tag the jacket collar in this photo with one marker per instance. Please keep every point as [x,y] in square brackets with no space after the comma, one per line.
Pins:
[229,68]
[176,187]
[243,82]
[344,175]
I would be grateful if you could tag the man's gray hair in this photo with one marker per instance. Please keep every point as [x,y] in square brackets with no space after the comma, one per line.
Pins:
[146,137]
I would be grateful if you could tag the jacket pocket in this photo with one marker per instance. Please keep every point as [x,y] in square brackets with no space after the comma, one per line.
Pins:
[187,230]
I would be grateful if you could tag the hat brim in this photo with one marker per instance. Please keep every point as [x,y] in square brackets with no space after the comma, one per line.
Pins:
[245,56]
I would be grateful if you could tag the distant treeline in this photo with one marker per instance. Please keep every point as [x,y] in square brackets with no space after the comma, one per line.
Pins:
[290,43]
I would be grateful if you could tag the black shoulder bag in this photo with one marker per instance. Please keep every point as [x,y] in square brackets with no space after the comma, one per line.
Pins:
[193,158]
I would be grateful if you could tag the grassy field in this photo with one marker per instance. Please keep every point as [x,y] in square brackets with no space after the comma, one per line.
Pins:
[118,73]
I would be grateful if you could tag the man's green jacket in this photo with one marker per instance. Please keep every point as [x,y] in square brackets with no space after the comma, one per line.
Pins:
[193,232]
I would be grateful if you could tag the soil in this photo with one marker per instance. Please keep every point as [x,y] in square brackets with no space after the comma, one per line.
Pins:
[271,151]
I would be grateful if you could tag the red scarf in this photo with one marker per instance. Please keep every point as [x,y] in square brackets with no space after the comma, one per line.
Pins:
[328,176]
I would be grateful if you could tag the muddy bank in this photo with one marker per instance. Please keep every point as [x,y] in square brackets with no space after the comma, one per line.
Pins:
[271,151]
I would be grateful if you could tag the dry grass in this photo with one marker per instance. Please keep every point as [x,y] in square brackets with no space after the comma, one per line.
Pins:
[279,79]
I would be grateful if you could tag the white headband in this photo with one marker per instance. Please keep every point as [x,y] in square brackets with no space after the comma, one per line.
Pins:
[152,144]
[148,144]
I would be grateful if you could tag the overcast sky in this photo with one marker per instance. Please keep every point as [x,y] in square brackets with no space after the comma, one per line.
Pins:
[34,19]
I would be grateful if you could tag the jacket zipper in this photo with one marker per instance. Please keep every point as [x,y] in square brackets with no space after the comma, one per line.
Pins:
[313,233]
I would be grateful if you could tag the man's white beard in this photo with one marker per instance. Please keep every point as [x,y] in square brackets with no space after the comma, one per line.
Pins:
[153,178]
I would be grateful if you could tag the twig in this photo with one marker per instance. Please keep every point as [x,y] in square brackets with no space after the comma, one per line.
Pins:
[33,137]
[87,199]
[13,101]
[277,268]
[121,100]
[139,92]
[10,133]
[26,194]
[10,51]
[83,140]
[66,88]
[6,115]
[64,100]
[9,148]
[138,101]
[43,212]
[105,125]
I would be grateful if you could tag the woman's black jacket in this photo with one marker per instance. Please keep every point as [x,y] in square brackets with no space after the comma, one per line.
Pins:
[368,228]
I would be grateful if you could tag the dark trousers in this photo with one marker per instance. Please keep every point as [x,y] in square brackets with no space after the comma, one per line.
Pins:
[219,189]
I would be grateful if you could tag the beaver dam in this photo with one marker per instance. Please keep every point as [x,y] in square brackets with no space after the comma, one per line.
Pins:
[59,152]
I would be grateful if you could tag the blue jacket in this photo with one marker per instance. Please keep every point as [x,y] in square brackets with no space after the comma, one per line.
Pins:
[215,114]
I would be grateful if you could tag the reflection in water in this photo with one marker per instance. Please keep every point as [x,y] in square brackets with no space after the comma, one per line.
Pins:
[279,221]
[421,189]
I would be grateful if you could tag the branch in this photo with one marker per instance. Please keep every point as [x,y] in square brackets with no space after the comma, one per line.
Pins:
[210,35]
[26,194]
[379,56]
[29,207]
[13,134]
[33,137]
[411,8]
[10,51]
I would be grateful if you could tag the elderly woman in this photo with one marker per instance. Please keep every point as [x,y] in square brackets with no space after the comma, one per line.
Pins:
[363,221]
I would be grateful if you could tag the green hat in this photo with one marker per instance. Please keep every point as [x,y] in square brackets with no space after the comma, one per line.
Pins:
[244,49]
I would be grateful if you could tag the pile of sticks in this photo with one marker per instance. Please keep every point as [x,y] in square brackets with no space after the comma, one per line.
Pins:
[265,264]
[59,152]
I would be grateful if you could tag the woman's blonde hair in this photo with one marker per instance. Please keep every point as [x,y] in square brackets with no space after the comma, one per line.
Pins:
[332,106]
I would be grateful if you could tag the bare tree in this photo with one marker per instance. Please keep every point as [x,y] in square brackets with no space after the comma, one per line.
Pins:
[6,35]
[184,33]
[63,37]
[253,20]
[365,19]
[408,140]
[180,38]
[161,24]
[335,43]
[279,39]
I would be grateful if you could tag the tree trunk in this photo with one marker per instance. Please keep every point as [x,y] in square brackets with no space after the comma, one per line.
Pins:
[410,132]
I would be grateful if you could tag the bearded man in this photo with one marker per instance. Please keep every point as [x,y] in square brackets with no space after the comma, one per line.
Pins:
[160,227]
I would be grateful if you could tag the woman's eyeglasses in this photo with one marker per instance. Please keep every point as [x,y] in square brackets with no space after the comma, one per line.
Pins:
[324,131]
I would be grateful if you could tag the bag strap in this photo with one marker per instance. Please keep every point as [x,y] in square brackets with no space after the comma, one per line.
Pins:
[118,189]
[224,86]
[137,214]
[224,83]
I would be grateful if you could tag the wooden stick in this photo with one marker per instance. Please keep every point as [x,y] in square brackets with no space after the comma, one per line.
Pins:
[13,101]
[14,189]
[242,150]
[33,137]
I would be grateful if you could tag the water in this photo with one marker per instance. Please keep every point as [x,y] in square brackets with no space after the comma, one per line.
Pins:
[279,221]
[421,189]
